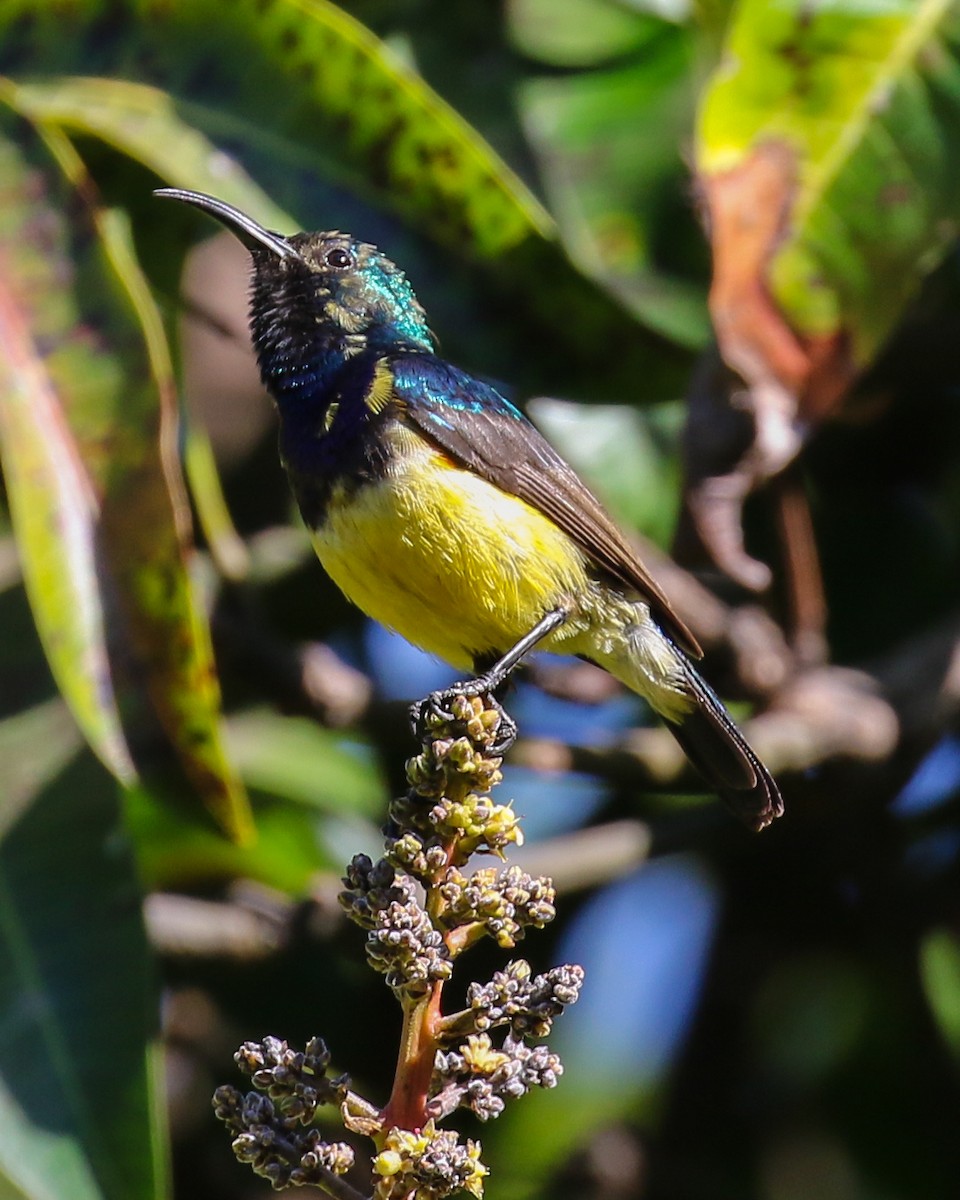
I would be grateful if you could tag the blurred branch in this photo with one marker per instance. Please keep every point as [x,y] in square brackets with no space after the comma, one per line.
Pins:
[307,678]
[885,720]
[813,717]
[186,927]
[253,922]
[819,716]
[590,857]
[747,636]
[803,574]
[719,473]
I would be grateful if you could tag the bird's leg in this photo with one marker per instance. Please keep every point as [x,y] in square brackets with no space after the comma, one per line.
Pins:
[497,675]
[437,704]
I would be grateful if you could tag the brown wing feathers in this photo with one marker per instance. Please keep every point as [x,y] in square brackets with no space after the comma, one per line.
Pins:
[511,453]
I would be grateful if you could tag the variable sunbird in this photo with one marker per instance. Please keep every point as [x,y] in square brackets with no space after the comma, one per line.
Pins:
[442,512]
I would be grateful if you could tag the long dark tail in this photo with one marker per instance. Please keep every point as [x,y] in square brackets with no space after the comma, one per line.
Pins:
[722,755]
[629,644]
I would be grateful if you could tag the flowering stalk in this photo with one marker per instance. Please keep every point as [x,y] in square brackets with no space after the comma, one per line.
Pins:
[421,911]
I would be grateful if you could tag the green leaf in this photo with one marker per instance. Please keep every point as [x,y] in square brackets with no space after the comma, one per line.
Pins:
[53,505]
[46,727]
[80,1117]
[837,126]
[940,971]
[576,33]
[712,18]
[176,851]
[597,441]
[308,784]
[167,628]
[333,88]
[89,448]
[227,547]
[143,122]
[615,192]
[295,758]
[345,107]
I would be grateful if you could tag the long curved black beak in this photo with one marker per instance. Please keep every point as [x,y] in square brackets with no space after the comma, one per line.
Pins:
[244,228]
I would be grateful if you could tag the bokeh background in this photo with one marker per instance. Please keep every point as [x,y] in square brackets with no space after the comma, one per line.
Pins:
[712,247]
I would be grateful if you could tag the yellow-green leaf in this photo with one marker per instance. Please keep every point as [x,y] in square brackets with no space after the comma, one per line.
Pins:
[53,504]
[144,123]
[101,513]
[829,144]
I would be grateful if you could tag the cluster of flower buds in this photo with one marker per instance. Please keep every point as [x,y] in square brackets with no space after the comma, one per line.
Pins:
[438,824]
[447,805]
[428,1164]
[268,1124]
[402,942]
[421,910]
[527,1003]
[501,903]
[408,949]
[371,888]
[481,1077]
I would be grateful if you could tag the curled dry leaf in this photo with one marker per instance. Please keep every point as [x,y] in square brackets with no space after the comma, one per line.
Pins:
[825,150]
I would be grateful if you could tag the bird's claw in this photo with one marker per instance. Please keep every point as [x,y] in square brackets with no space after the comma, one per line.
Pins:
[437,708]
[507,731]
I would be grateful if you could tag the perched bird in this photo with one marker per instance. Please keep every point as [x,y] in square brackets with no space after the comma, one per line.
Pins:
[442,512]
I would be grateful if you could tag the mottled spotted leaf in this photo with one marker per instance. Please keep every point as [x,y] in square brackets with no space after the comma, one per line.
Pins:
[828,150]
[89,433]
[142,122]
[320,98]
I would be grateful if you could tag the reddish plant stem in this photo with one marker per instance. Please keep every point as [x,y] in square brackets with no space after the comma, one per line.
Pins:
[407,1106]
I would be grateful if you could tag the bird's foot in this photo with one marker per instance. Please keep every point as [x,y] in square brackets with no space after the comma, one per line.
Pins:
[436,709]
[441,706]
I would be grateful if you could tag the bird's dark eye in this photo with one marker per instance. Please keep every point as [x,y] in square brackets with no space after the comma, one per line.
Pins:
[338,258]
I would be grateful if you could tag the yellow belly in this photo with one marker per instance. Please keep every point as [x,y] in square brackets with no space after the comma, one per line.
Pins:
[449,561]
